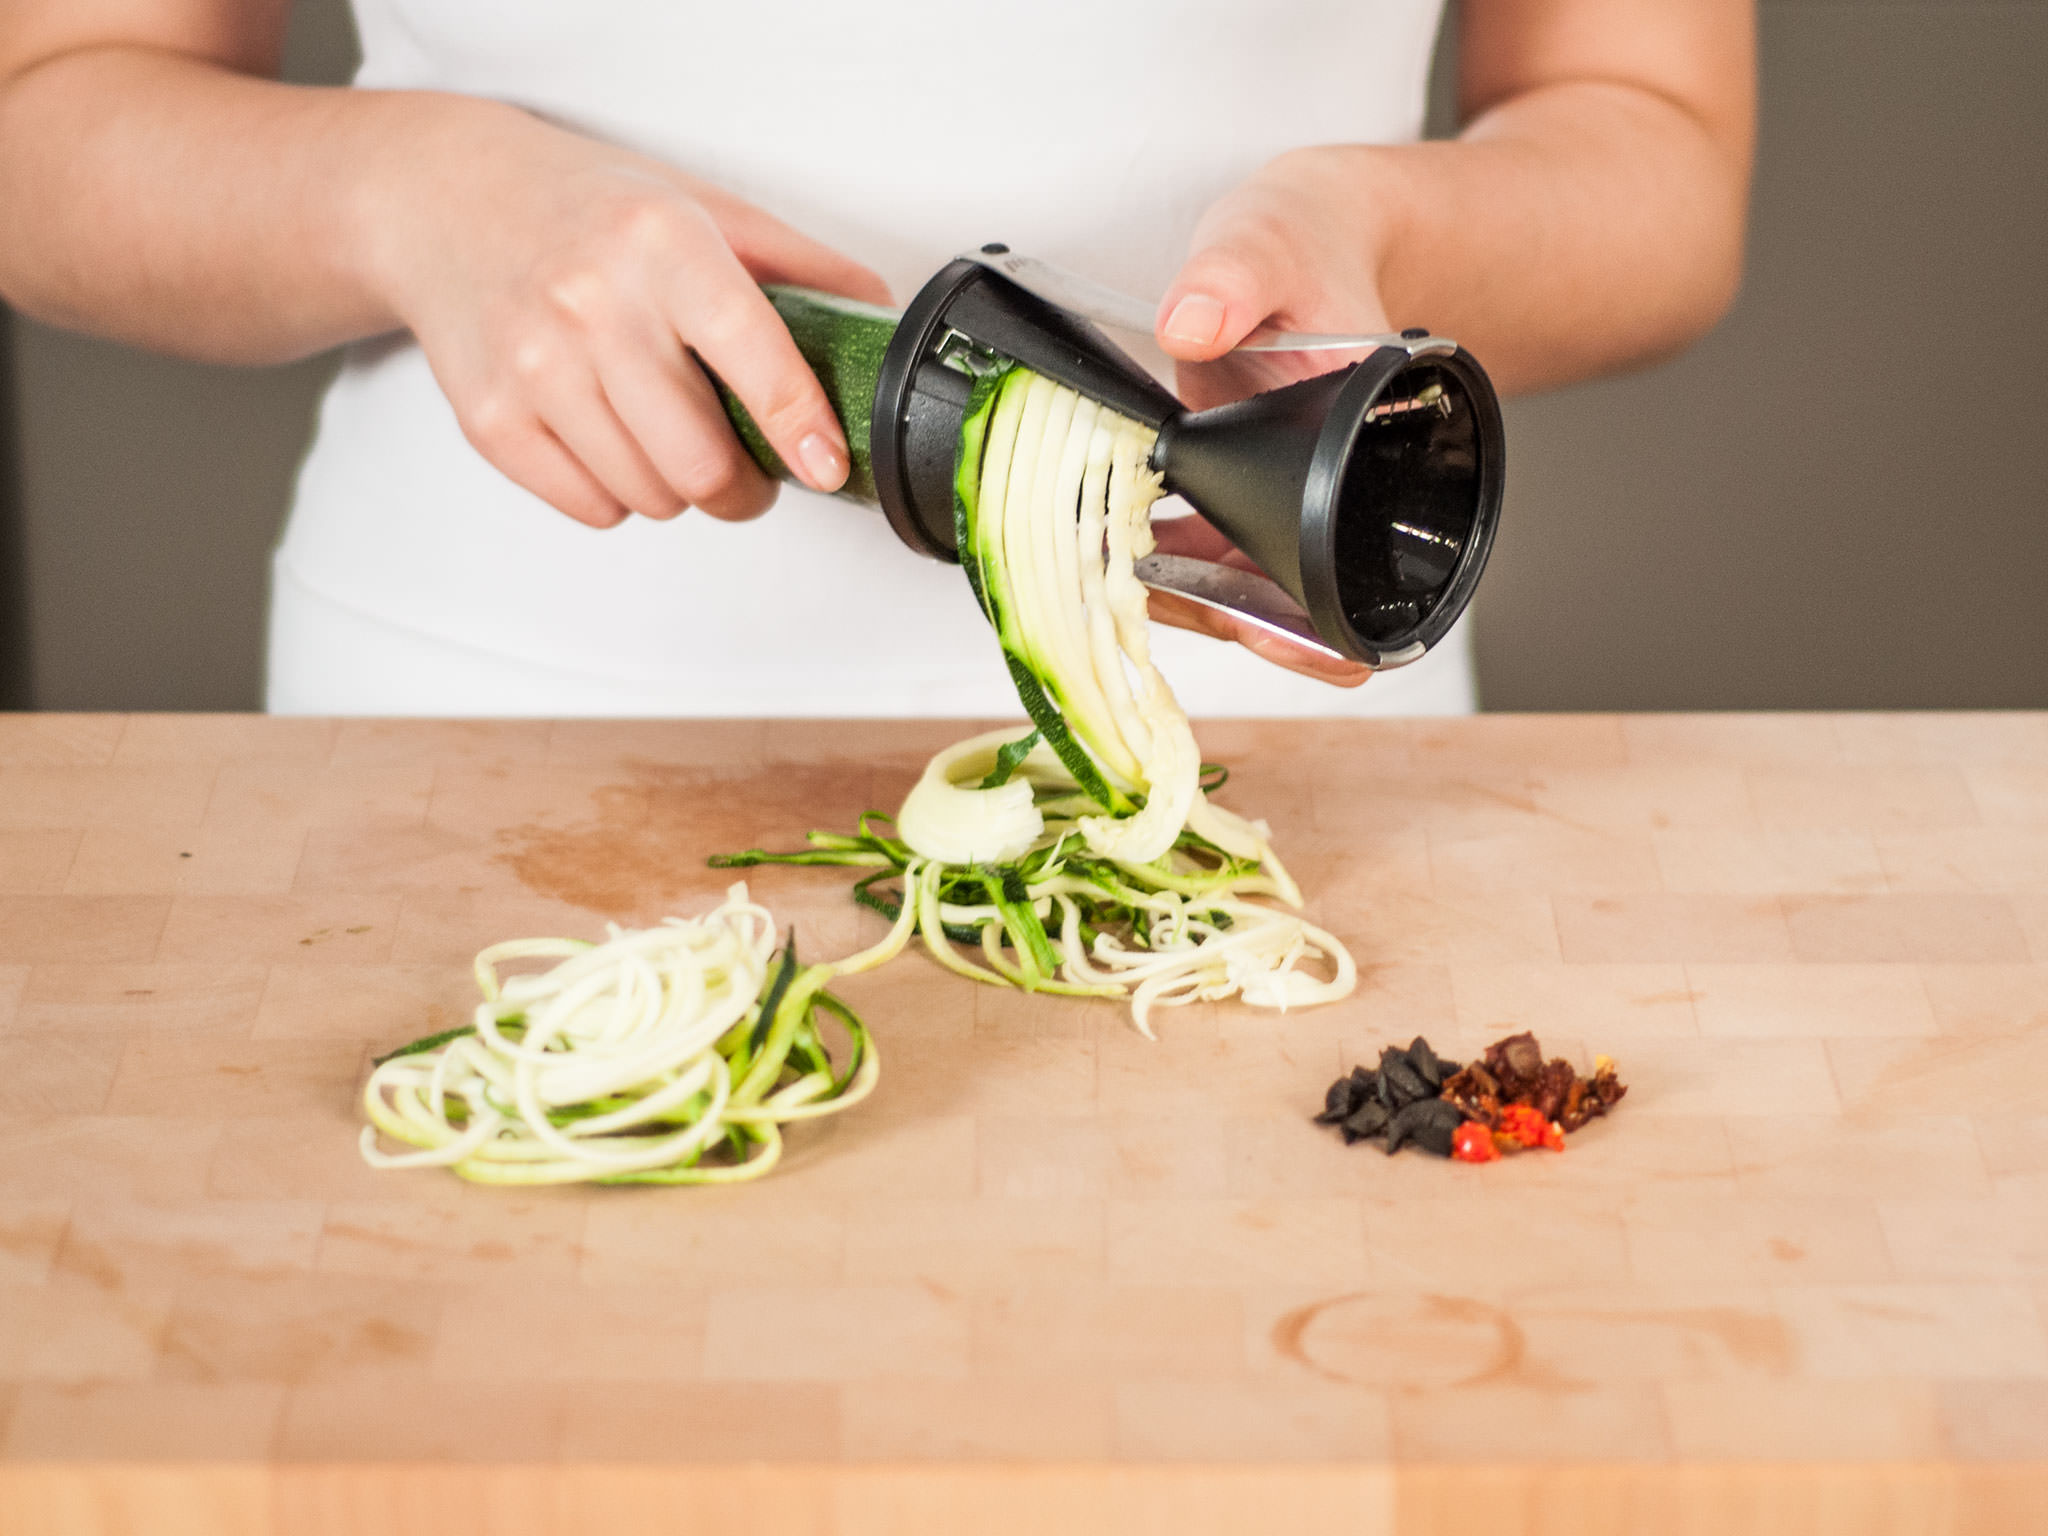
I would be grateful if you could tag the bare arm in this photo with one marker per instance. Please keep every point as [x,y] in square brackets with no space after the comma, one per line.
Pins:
[165,194]
[1589,217]
[162,188]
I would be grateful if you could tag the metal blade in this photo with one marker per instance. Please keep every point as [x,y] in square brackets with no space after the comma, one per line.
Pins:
[1244,594]
[1089,299]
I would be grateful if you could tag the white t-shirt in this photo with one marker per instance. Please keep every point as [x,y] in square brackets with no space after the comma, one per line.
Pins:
[414,578]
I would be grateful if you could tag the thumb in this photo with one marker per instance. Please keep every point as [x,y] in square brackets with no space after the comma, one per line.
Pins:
[1222,294]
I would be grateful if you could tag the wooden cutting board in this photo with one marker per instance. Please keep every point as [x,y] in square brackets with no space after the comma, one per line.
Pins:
[1053,1276]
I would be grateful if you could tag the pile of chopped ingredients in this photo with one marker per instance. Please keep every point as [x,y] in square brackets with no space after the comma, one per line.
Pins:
[665,1055]
[1084,855]
[1507,1101]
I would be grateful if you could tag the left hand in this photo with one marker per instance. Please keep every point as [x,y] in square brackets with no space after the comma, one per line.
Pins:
[1296,247]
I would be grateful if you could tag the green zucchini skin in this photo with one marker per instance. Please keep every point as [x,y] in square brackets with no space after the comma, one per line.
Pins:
[843,340]
[983,567]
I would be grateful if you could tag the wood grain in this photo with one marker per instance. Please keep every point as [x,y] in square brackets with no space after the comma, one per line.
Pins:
[1052,1275]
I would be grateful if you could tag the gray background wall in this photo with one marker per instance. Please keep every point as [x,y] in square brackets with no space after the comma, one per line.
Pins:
[14,675]
[1837,500]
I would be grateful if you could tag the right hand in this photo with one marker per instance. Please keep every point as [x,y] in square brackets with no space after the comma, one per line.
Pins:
[560,287]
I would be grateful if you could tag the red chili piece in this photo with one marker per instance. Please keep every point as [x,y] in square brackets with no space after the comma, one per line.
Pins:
[1473,1143]
[1521,1125]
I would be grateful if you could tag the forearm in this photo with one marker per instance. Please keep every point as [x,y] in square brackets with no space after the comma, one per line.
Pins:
[1572,230]
[176,204]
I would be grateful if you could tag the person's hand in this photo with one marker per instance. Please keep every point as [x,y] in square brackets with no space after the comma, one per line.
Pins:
[1295,248]
[564,291]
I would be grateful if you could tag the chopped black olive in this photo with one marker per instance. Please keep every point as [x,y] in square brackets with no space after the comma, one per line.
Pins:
[1339,1101]
[1429,1123]
[1402,1126]
[1438,1130]
[1369,1119]
[1427,1066]
[1403,1082]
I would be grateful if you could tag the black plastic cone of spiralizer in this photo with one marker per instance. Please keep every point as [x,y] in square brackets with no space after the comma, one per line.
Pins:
[1370,494]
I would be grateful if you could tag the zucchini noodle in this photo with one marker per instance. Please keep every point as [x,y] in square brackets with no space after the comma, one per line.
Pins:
[664,1055]
[1085,856]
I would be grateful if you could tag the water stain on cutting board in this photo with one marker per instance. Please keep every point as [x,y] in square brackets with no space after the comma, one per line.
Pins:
[1371,1339]
[616,861]
[643,846]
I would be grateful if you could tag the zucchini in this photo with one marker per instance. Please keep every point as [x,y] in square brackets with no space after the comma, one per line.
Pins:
[844,341]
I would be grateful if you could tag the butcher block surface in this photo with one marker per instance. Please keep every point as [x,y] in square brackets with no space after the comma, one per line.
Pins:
[1052,1275]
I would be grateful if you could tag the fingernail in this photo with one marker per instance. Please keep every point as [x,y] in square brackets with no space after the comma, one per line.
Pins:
[824,461]
[1196,320]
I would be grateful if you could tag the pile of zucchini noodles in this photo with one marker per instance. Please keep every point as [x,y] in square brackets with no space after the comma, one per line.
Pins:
[665,1055]
[1085,856]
